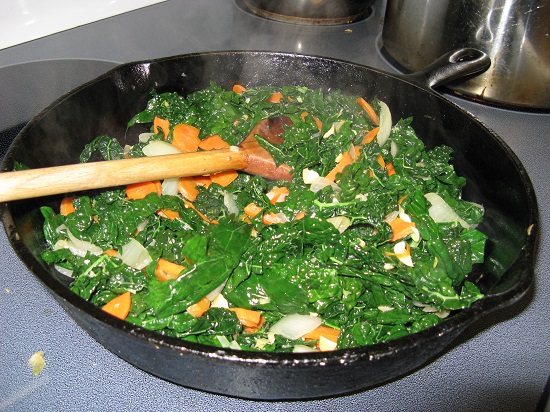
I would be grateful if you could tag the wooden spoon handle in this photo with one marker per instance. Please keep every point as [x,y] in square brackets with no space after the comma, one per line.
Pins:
[71,178]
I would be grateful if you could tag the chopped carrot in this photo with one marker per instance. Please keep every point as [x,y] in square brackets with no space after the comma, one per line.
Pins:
[237,88]
[66,207]
[110,252]
[252,210]
[381,161]
[275,97]
[119,306]
[344,161]
[167,270]
[224,178]
[401,199]
[198,309]
[390,169]
[369,137]
[140,190]
[186,138]
[248,317]
[322,330]
[204,181]
[213,142]
[370,111]
[187,186]
[271,218]
[300,215]
[169,214]
[400,228]
[164,125]
[254,329]
[277,194]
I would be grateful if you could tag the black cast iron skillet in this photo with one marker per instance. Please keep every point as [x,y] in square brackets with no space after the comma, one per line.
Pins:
[103,106]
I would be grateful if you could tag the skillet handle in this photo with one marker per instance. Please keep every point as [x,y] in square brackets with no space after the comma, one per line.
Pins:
[451,66]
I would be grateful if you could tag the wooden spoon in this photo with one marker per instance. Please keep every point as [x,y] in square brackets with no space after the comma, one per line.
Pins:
[248,157]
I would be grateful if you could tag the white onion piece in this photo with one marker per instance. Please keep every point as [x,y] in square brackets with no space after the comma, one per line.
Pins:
[385,124]
[327,344]
[126,149]
[229,201]
[219,302]
[76,246]
[341,223]
[390,216]
[144,137]
[64,271]
[135,255]
[234,345]
[308,176]
[303,349]
[394,149]
[321,182]
[142,225]
[170,186]
[223,341]
[295,326]
[214,294]
[159,148]
[441,212]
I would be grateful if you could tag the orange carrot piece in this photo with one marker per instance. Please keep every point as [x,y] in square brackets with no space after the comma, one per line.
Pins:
[277,194]
[164,125]
[140,190]
[402,199]
[390,169]
[346,160]
[167,270]
[271,218]
[369,137]
[237,88]
[66,207]
[169,214]
[202,181]
[370,111]
[381,161]
[202,215]
[224,178]
[300,215]
[275,97]
[254,329]
[325,331]
[110,252]
[186,138]
[119,306]
[200,308]
[252,210]
[213,142]
[400,228]
[187,186]
[248,317]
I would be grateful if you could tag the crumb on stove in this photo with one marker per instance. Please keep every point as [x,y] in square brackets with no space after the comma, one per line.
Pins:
[37,362]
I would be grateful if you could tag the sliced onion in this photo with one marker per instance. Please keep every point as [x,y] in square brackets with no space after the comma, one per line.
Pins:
[295,326]
[394,149]
[303,349]
[135,255]
[76,246]
[144,137]
[64,271]
[341,223]
[214,294]
[441,212]
[159,148]
[321,182]
[327,344]
[308,176]
[229,201]
[170,186]
[385,124]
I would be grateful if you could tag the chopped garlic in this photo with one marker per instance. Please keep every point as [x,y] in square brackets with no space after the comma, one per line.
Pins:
[37,362]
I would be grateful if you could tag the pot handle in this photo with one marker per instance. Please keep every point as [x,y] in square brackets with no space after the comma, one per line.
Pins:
[453,65]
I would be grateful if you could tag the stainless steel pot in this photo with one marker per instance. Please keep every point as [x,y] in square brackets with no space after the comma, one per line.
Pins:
[311,12]
[514,33]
